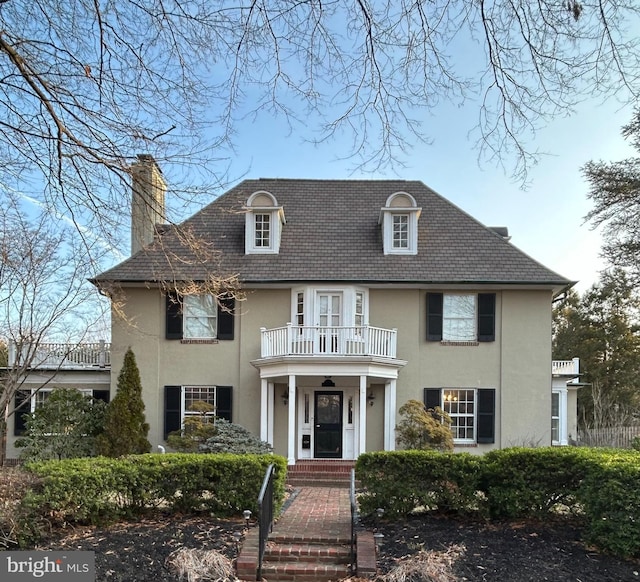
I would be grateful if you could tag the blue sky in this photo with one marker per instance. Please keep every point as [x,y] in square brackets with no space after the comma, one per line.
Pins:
[544,219]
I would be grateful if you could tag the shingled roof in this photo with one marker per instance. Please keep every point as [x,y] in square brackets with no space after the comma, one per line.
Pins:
[332,234]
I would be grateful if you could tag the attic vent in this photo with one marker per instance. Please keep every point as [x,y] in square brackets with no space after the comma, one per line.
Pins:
[502,231]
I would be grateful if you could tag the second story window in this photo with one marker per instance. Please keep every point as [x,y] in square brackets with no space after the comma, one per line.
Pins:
[200,316]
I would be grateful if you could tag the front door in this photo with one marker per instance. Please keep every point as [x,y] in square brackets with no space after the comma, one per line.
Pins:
[328,425]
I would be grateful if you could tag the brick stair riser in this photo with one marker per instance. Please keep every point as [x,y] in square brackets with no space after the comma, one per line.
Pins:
[304,572]
[308,553]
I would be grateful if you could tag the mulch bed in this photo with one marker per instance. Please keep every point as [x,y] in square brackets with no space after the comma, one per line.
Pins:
[504,552]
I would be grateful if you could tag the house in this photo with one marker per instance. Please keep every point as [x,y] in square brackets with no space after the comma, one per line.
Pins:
[356,296]
[83,366]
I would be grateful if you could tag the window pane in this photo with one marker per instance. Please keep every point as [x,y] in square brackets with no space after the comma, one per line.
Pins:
[555,404]
[460,405]
[263,229]
[193,394]
[400,231]
[200,315]
[459,318]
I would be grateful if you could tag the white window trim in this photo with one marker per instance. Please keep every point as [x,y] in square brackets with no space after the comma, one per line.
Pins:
[400,203]
[277,220]
[563,439]
[186,317]
[349,294]
[459,441]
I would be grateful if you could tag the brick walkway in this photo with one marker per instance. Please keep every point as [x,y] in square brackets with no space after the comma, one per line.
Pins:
[316,514]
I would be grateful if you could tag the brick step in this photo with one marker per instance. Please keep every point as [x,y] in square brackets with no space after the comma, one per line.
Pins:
[315,538]
[304,571]
[297,552]
[317,481]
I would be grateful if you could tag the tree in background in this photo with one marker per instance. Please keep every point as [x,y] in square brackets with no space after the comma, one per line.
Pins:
[64,426]
[615,192]
[601,328]
[85,89]
[125,428]
[424,429]
[43,272]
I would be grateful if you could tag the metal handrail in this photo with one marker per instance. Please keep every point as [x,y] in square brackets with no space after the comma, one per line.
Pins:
[265,514]
[354,519]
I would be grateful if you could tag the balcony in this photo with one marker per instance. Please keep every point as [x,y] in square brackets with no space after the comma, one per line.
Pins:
[565,367]
[63,356]
[300,340]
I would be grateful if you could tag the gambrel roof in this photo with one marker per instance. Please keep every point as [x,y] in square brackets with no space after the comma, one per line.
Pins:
[332,233]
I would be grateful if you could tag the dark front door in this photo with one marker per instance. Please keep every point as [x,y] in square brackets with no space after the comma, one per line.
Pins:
[328,425]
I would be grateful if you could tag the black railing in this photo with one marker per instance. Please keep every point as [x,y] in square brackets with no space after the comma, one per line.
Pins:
[354,519]
[265,515]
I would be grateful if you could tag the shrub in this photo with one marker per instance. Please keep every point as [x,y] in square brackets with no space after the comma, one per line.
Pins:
[63,427]
[233,438]
[125,429]
[17,525]
[424,429]
[197,429]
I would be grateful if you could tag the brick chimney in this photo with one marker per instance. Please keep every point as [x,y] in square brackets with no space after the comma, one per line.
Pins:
[148,190]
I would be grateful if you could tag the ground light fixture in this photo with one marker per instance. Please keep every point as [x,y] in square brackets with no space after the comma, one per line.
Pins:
[247,516]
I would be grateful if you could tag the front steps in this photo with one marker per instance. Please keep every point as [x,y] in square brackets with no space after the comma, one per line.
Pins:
[320,473]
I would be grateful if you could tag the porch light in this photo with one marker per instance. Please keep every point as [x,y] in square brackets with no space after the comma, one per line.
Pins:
[285,397]
[370,398]
[328,382]
[247,516]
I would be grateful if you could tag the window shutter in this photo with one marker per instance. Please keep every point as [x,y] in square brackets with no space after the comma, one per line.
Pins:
[224,402]
[432,398]
[486,317]
[226,318]
[172,409]
[174,317]
[486,415]
[434,317]
[103,395]
[21,408]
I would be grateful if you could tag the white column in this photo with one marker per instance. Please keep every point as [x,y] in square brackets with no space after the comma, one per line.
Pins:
[291,434]
[264,409]
[390,415]
[271,399]
[362,433]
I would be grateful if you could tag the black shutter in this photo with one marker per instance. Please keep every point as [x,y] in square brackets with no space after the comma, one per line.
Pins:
[173,328]
[103,395]
[21,410]
[224,402]
[432,398]
[226,318]
[486,317]
[434,317]
[172,412]
[486,415]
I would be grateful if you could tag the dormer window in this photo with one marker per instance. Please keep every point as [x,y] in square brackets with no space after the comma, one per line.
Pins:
[263,225]
[399,220]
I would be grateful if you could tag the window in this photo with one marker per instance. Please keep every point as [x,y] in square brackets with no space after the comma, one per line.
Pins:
[178,400]
[399,220]
[26,401]
[358,314]
[193,317]
[299,309]
[460,317]
[472,412]
[559,429]
[400,231]
[460,405]
[200,316]
[263,225]
[555,417]
[263,231]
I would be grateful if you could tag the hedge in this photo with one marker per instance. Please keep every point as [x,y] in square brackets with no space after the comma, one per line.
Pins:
[98,490]
[599,486]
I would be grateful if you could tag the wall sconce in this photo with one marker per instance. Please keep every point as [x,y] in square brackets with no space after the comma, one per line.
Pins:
[370,398]
[285,397]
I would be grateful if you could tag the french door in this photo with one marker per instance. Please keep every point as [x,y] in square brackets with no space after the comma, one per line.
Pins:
[329,317]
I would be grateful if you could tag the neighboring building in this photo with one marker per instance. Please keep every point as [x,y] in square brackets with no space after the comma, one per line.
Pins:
[84,366]
[564,401]
[359,295]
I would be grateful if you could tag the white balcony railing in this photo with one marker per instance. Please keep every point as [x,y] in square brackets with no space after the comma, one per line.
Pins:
[565,367]
[63,356]
[300,340]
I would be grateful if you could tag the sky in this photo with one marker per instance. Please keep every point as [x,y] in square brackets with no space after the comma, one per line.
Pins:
[545,219]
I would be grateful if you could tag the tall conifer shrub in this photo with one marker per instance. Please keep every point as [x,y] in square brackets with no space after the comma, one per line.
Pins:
[125,429]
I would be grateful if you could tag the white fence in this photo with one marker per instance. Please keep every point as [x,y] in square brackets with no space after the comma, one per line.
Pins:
[300,340]
[64,356]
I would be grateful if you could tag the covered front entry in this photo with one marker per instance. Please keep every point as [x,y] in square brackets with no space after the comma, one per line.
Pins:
[327,426]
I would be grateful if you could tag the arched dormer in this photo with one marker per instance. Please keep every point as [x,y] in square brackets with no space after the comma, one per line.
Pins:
[263,224]
[399,220]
